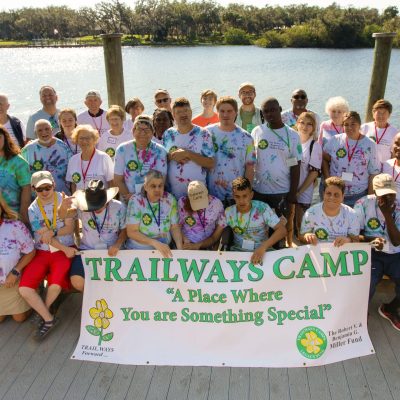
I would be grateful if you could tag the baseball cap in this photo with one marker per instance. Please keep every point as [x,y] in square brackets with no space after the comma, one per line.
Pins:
[383,184]
[247,84]
[93,93]
[161,91]
[41,177]
[198,195]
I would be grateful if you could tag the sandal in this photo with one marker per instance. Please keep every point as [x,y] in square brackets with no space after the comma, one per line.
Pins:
[36,319]
[45,328]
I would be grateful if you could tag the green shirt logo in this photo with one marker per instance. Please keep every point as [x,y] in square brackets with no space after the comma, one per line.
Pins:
[263,144]
[76,178]
[215,147]
[172,149]
[238,230]
[321,234]
[311,342]
[111,152]
[132,165]
[38,165]
[146,219]
[91,223]
[373,223]
[190,221]
[341,153]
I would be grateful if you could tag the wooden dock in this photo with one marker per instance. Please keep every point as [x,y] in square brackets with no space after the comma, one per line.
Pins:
[36,371]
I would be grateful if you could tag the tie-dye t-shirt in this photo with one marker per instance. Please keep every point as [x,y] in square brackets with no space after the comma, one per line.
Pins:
[37,222]
[392,167]
[198,140]
[53,159]
[233,152]
[133,164]
[326,228]
[373,222]
[272,172]
[154,219]
[252,225]
[383,137]
[327,130]
[364,161]
[15,240]
[109,142]
[109,222]
[200,225]
[14,173]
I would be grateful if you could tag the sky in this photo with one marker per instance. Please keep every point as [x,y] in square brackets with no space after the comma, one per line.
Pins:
[381,4]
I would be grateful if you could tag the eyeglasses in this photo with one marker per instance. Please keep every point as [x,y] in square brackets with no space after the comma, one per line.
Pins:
[144,130]
[247,92]
[44,189]
[165,100]
[299,97]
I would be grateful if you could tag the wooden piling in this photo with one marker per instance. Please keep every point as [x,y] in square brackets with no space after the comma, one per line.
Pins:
[383,48]
[114,68]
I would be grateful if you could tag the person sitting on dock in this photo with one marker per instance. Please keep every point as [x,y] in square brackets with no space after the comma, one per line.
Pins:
[249,116]
[162,99]
[49,112]
[94,115]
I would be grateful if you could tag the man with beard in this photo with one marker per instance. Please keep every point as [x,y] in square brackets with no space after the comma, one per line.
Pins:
[249,116]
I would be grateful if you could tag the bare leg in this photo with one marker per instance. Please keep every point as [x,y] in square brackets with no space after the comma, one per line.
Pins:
[78,282]
[35,301]
[52,293]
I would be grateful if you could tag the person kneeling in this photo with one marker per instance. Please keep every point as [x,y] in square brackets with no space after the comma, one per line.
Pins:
[250,220]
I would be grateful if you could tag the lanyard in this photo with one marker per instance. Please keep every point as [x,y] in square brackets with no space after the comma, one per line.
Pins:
[147,153]
[336,129]
[99,229]
[394,165]
[44,215]
[158,221]
[350,156]
[238,228]
[84,173]
[383,134]
[202,219]
[280,137]
[66,141]
[101,123]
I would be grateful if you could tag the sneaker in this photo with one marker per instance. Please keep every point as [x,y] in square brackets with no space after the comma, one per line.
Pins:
[45,328]
[36,319]
[393,318]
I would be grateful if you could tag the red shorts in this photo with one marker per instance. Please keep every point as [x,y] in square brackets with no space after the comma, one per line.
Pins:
[54,266]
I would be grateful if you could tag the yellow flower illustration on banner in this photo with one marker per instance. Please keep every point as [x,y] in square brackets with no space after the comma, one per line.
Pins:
[101,316]
[312,342]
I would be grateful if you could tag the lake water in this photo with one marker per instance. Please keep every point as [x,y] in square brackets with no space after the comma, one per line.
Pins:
[186,71]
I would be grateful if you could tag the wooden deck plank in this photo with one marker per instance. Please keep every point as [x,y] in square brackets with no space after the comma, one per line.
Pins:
[356,379]
[279,384]
[318,383]
[140,382]
[101,382]
[120,384]
[259,384]
[82,381]
[337,381]
[31,357]
[160,382]
[199,383]
[219,383]
[8,329]
[239,384]
[298,384]
[180,382]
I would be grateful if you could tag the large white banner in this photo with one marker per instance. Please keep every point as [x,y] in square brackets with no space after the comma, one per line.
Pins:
[302,307]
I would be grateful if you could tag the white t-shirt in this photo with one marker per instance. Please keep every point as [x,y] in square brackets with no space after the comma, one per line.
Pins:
[15,240]
[387,168]
[109,142]
[309,160]
[101,167]
[363,161]
[37,222]
[109,222]
[274,155]
[326,228]
[383,137]
[128,126]
[10,130]
[100,123]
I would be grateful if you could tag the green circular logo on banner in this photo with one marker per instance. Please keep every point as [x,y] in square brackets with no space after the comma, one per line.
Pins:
[373,223]
[38,165]
[110,151]
[190,221]
[146,219]
[132,165]
[311,342]
[76,178]
[341,153]
[263,144]
[321,234]
[91,223]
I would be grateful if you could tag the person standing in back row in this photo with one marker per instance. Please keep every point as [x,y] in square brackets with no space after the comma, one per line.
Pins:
[249,116]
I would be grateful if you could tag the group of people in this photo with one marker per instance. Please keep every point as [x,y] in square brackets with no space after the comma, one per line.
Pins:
[235,177]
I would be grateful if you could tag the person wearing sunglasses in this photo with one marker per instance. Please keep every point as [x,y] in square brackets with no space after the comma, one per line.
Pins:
[54,251]
[299,102]
[162,99]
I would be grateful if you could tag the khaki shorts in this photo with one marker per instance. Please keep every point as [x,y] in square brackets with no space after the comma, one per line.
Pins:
[11,302]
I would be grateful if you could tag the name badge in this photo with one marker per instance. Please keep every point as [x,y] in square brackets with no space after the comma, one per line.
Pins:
[138,187]
[347,176]
[248,244]
[291,162]
[111,140]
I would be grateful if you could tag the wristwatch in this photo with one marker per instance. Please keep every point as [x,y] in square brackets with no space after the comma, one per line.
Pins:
[16,273]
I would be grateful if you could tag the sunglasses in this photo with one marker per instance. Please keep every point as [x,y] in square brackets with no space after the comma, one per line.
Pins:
[165,100]
[299,97]
[44,189]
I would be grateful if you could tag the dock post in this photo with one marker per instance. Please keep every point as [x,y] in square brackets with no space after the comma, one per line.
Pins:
[383,48]
[114,68]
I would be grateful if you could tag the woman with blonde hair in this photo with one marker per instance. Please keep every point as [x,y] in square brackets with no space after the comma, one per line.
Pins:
[17,250]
